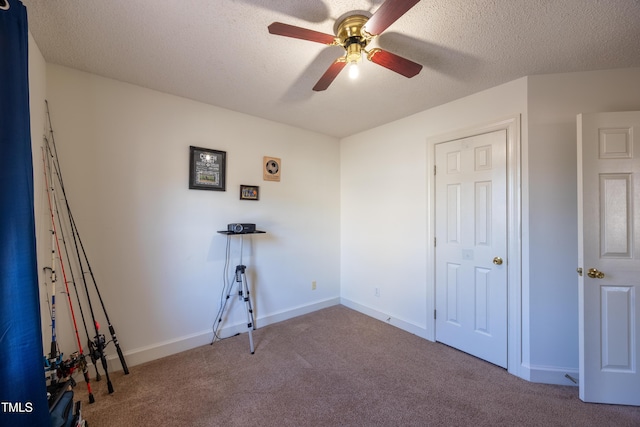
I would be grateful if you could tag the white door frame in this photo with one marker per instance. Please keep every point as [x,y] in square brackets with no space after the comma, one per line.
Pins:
[514,233]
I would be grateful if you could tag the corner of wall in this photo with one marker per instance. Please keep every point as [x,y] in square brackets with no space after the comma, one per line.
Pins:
[383,317]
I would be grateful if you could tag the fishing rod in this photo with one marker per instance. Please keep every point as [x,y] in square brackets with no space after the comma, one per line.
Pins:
[81,361]
[54,345]
[54,359]
[73,279]
[96,350]
[99,340]
[59,368]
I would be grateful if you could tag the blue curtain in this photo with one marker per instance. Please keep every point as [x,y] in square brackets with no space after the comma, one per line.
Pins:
[23,400]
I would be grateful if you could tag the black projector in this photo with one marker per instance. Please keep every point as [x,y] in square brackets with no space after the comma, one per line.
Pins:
[241,228]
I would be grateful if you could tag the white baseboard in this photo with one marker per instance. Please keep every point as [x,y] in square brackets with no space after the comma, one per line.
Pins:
[394,321]
[155,351]
[551,375]
[295,312]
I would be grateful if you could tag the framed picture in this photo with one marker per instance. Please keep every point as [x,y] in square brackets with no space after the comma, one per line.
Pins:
[249,192]
[207,169]
[271,168]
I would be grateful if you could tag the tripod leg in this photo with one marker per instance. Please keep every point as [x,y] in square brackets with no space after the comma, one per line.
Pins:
[247,302]
[218,321]
[243,293]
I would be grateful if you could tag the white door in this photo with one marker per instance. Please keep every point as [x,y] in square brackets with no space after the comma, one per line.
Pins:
[471,245]
[609,255]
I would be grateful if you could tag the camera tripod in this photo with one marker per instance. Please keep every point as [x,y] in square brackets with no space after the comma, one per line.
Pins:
[243,293]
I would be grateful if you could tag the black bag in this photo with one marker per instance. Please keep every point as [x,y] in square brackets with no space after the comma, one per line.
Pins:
[61,414]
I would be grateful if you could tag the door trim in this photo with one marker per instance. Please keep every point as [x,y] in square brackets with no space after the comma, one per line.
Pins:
[514,233]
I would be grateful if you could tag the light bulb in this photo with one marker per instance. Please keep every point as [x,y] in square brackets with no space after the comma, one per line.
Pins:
[354,71]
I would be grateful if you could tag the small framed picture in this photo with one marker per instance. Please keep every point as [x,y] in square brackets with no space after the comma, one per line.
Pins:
[207,169]
[271,168]
[249,192]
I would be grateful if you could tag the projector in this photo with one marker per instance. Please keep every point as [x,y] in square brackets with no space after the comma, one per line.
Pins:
[241,228]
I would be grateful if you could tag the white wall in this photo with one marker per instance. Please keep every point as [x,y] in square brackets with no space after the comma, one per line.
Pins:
[554,101]
[152,242]
[385,208]
[385,213]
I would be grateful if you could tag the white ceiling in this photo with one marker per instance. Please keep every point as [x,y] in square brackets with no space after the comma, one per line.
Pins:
[220,52]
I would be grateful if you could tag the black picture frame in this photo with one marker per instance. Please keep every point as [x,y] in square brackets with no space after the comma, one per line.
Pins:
[249,192]
[207,169]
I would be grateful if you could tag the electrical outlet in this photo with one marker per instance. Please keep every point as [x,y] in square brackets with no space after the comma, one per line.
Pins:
[377,292]
[313,285]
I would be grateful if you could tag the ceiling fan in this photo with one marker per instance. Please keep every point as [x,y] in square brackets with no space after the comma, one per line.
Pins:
[354,33]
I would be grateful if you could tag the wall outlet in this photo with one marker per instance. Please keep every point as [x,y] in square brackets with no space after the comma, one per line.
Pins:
[313,285]
[377,292]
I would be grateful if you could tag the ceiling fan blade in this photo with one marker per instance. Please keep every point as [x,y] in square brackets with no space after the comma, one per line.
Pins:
[287,30]
[387,14]
[329,75]
[394,62]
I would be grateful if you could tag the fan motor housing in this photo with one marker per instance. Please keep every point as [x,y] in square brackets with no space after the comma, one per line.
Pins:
[350,33]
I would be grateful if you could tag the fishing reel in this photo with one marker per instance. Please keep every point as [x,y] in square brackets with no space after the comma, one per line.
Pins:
[96,347]
[64,368]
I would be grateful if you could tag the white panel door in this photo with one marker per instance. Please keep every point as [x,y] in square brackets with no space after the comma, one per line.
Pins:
[471,245]
[609,242]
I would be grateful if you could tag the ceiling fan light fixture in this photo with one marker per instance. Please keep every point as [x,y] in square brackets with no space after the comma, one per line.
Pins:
[353,57]
[354,52]
[351,34]
[354,70]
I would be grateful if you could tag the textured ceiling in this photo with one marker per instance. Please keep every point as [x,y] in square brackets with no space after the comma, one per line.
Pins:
[220,52]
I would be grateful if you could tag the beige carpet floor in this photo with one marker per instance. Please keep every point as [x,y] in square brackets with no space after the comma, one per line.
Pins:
[335,367]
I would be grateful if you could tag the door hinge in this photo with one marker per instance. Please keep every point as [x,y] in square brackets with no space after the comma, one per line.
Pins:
[434,169]
[434,314]
[434,242]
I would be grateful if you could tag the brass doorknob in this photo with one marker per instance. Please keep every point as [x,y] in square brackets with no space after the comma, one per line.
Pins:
[595,273]
[497,260]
